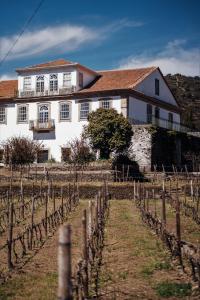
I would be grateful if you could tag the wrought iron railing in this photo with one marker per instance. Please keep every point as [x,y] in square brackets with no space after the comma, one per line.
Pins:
[34,93]
[161,122]
[37,125]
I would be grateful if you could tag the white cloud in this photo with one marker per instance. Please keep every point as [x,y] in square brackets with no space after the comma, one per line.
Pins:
[65,37]
[7,77]
[174,58]
[62,38]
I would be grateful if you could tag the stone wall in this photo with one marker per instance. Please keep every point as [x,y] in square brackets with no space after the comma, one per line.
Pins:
[141,148]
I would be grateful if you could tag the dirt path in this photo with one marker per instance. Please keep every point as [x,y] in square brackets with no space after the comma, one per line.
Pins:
[135,261]
[38,279]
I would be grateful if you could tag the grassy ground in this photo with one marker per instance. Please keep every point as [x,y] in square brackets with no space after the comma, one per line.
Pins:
[38,279]
[135,263]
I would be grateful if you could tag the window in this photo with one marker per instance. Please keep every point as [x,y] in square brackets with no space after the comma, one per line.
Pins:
[53,83]
[170,117]
[80,80]
[65,111]
[170,120]
[157,87]
[149,113]
[40,84]
[27,83]
[67,79]
[43,156]
[157,112]
[84,110]
[106,103]
[22,114]
[1,155]
[2,114]
[65,154]
[43,113]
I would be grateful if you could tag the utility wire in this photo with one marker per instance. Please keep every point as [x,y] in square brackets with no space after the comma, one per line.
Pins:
[21,33]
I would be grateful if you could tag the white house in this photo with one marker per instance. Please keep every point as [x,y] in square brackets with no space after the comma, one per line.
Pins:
[50,102]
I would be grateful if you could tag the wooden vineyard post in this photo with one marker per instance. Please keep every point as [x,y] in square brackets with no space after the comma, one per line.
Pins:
[32,222]
[197,208]
[62,207]
[123,173]
[178,229]
[85,252]
[163,205]
[127,173]
[46,214]
[22,199]
[54,200]
[191,190]
[64,263]
[10,237]
[134,190]
[147,200]
[70,197]
[154,200]
[185,196]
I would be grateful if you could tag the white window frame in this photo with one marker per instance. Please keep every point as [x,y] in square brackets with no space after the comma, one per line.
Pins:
[67,79]
[53,82]
[3,114]
[39,84]
[81,110]
[27,83]
[104,101]
[61,111]
[40,105]
[19,107]
[80,79]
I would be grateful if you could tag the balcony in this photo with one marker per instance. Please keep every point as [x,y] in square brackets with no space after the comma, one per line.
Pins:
[34,93]
[163,123]
[37,126]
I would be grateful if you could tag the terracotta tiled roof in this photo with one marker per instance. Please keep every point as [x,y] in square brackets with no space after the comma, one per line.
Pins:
[58,62]
[118,79]
[8,88]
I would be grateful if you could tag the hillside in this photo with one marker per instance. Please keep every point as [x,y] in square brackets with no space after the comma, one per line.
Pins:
[187,92]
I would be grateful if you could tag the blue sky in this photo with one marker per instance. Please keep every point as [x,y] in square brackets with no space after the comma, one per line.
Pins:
[103,34]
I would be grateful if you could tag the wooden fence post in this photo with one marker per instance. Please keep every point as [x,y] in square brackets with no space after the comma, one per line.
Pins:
[178,229]
[32,221]
[10,237]
[54,200]
[22,198]
[46,214]
[85,252]
[163,205]
[64,263]
[62,206]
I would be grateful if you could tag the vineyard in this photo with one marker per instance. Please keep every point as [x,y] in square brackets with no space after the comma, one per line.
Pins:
[116,238]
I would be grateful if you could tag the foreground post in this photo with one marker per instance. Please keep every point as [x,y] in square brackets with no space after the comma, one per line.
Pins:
[10,237]
[163,205]
[64,263]
[85,252]
[178,229]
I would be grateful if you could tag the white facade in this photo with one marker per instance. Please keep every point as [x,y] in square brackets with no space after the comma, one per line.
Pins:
[65,127]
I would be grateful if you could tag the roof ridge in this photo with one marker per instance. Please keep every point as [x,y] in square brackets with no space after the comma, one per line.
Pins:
[143,76]
[118,70]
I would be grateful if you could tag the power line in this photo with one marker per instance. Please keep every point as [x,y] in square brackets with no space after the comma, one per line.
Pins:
[21,33]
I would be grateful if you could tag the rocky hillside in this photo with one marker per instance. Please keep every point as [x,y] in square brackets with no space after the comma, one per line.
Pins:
[187,92]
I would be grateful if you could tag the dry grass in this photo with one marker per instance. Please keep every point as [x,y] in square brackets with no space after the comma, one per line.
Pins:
[38,279]
[135,261]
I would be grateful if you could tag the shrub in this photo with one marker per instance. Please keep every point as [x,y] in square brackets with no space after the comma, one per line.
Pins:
[80,152]
[19,151]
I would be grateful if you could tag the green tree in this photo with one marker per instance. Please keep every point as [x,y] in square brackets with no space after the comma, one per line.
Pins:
[108,131]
